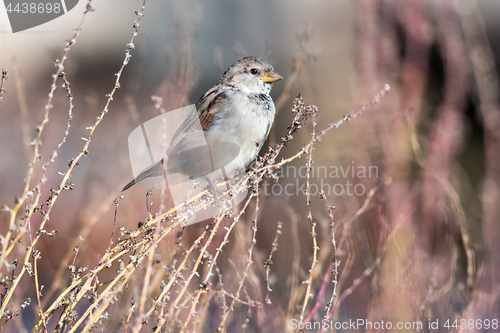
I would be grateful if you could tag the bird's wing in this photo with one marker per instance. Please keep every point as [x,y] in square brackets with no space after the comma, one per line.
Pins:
[202,115]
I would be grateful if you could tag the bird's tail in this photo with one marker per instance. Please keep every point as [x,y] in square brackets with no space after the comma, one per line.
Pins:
[153,171]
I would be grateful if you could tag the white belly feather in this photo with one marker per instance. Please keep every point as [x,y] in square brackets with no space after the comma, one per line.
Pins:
[247,127]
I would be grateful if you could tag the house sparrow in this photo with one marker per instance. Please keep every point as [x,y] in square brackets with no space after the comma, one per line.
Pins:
[235,117]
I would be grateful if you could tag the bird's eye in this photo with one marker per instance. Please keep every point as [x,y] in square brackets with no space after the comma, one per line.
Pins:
[254,71]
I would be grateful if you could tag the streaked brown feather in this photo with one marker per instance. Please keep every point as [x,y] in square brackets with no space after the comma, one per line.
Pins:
[203,114]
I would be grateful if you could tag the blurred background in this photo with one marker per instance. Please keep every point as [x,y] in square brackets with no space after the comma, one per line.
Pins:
[421,241]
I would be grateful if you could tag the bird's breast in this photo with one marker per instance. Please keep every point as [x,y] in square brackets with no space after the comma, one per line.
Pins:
[245,122]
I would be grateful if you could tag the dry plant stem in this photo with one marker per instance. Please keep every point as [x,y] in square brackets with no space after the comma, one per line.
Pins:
[194,298]
[353,115]
[354,285]
[109,257]
[74,162]
[303,112]
[349,262]
[145,285]
[202,322]
[298,64]
[34,205]
[247,320]
[269,261]
[428,299]
[165,317]
[335,271]
[332,269]
[300,60]
[338,250]
[321,293]
[61,323]
[36,156]
[161,109]
[164,294]
[76,249]
[119,251]
[124,275]
[84,232]
[308,148]
[131,310]
[3,78]
[23,108]
[116,202]
[6,249]
[213,260]
[313,223]
[193,273]
[223,305]
[127,272]
[359,212]
[193,308]
[109,293]
[367,271]
[247,267]
[36,256]
[295,294]
[37,287]
[324,227]
[99,119]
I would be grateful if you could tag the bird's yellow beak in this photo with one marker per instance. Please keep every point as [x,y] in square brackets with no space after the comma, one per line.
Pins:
[271,77]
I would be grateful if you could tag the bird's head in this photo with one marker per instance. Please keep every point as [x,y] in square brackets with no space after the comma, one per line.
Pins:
[251,75]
